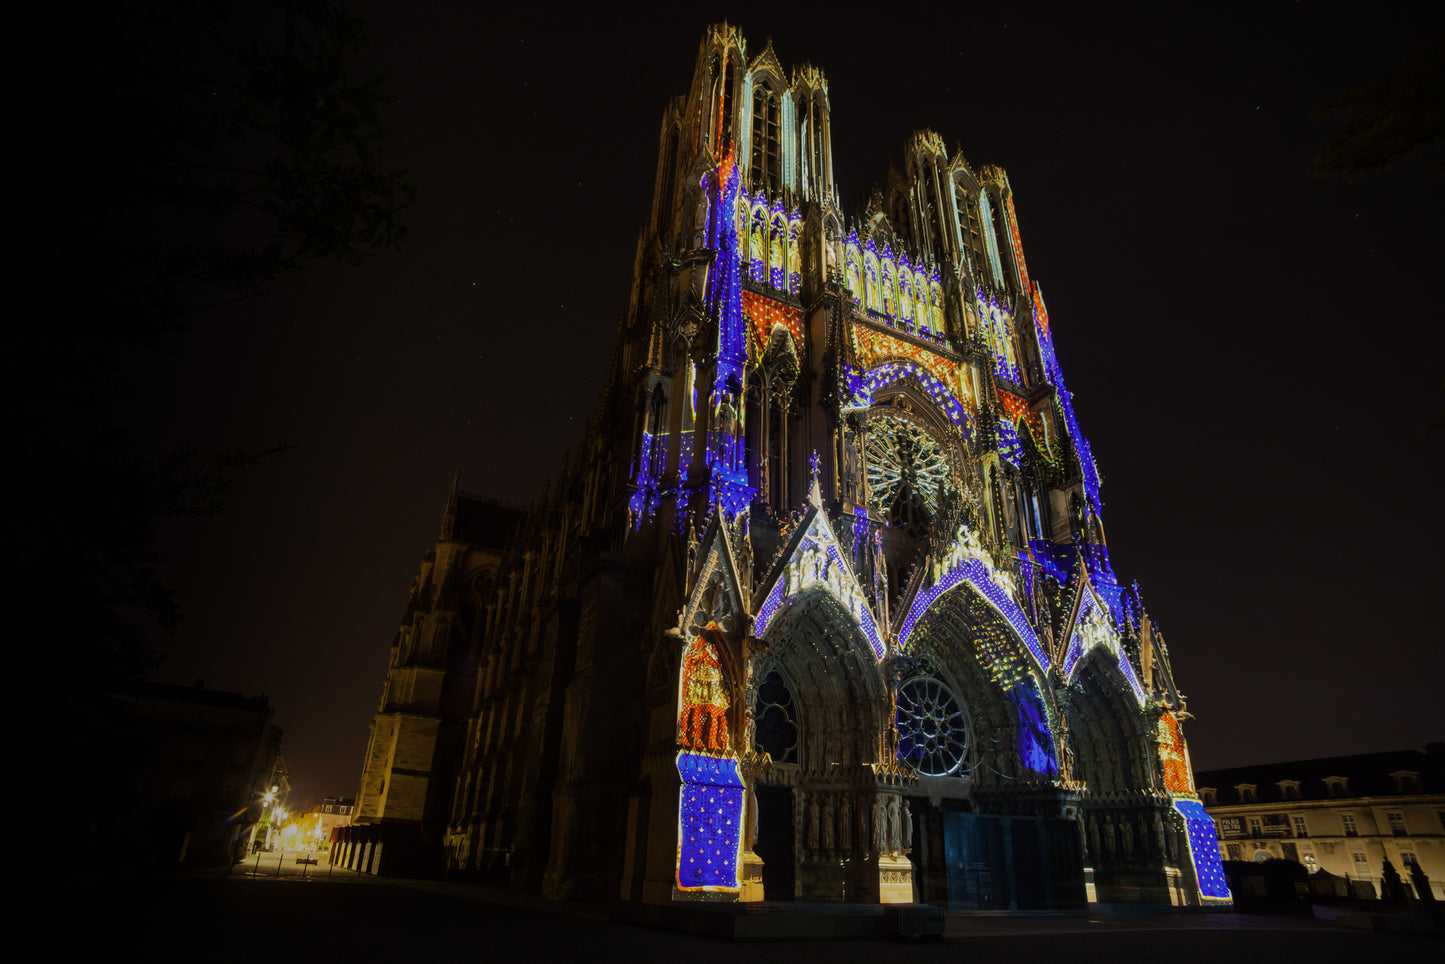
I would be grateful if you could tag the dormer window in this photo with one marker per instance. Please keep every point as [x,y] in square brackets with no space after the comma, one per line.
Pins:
[1208,796]
[1337,786]
[1406,781]
[1289,790]
[1248,792]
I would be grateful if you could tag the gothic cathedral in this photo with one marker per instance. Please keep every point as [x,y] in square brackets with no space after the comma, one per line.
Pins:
[824,609]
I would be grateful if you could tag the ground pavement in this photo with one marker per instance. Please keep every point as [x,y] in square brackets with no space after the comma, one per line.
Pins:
[260,920]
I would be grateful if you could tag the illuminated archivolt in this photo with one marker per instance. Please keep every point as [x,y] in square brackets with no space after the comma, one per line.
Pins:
[968,563]
[817,562]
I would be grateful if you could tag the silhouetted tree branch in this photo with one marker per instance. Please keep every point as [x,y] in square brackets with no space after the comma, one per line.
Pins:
[1396,118]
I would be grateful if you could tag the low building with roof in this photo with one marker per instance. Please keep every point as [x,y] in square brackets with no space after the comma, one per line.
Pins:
[1345,815]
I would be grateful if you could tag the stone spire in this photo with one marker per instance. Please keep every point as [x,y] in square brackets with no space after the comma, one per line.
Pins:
[449,515]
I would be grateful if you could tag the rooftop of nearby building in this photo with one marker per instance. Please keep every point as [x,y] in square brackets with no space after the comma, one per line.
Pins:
[1389,773]
[196,694]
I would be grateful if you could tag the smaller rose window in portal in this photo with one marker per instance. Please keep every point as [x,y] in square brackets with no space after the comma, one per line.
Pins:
[932,727]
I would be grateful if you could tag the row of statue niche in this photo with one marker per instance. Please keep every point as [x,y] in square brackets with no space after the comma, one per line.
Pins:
[1130,838]
[966,545]
[833,829]
[816,564]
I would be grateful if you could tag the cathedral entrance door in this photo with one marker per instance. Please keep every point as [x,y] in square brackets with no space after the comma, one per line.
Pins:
[775,841]
[819,704]
[1003,862]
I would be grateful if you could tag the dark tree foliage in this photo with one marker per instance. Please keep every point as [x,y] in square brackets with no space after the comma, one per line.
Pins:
[172,157]
[1399,117]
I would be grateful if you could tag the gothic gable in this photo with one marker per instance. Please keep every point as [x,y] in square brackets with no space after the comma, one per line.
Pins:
[1089,628]
[718,594]
[813,558]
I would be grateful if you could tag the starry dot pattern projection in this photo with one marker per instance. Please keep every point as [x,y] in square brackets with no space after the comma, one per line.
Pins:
[709,822]
[976,574]
[1204,850]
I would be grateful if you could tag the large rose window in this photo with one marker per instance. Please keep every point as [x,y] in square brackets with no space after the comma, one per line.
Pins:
[907,468]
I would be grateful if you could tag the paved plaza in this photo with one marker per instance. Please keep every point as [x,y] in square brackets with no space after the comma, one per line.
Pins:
[245,918]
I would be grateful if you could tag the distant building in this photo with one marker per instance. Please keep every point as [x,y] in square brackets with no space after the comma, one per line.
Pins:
[1345,815]
[415,749]
[202,760]
[322,823]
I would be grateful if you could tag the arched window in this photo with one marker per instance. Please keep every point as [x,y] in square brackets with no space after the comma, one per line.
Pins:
[928,196]
[968,234]
[795,256]
[815,130]
[890,288]
[871,292]
[767,141]
[775,724]
[777,258]
[853,271]
[932,727]
[758,247]
[905,295]
[990,240]
[921,310]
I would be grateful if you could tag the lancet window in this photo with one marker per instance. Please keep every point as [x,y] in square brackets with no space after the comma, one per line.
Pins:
[767,140]
[990,239]
[775,729]
[853,271]
[968,233]
[777,259]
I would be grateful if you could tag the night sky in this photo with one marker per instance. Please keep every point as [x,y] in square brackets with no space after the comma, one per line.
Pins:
[1253,352]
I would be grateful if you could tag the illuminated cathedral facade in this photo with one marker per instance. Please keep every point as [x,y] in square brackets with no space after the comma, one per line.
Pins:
[824,608]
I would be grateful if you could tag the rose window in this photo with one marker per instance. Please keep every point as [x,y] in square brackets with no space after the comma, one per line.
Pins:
[907,467]
[932,727]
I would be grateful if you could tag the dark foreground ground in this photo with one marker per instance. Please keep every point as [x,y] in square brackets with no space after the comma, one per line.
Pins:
[262,921]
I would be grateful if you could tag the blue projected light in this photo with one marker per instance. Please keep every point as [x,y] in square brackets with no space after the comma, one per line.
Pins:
[1010,448]
[976,573]
[710,822]
[1055,376]
[861,387]
[856,606]
[1036,743]
[1204,850]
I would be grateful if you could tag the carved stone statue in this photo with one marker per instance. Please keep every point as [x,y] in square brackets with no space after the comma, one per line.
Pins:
[852,474]
[845,827]
[750,827]
[727,415]
[907,828]
[828,827]
[811,841]
[880,827]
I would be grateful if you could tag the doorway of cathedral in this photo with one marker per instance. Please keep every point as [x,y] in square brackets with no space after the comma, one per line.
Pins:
[998,862]
[819,703]
[775,841]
